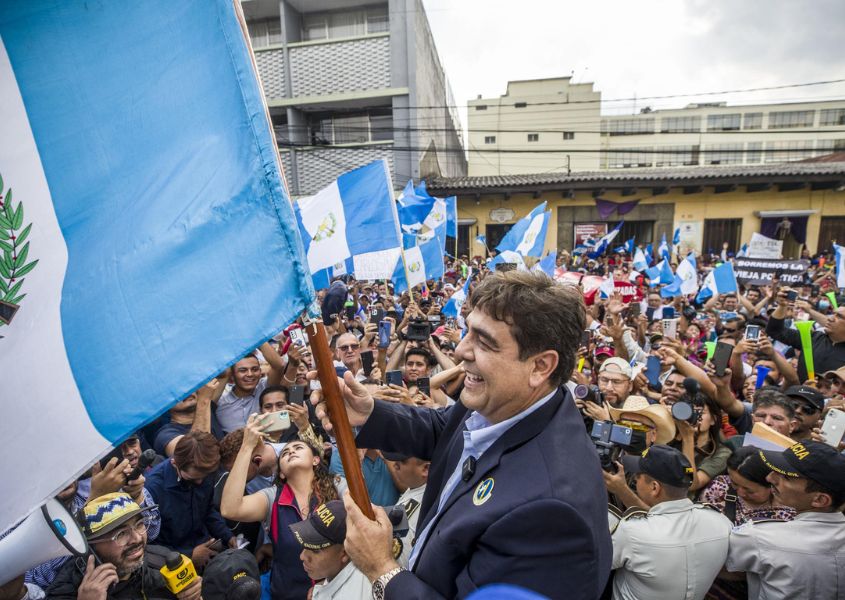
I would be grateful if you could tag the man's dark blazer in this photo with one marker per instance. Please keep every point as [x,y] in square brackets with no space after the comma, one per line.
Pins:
[543,526]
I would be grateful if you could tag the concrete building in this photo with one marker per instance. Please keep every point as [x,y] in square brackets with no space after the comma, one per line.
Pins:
[711,205]
[555,126]
[349,82]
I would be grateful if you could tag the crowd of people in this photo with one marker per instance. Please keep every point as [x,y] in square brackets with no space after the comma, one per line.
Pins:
[626,447]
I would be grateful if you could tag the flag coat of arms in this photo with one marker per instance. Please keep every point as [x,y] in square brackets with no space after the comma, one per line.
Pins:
[147,238]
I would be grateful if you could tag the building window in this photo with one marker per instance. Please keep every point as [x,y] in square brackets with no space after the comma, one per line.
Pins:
[489,139]
[828,146]
[832,116]
[628,158]
[520,104]
[533,137]
[347,23]
[676,156]
[680,124]
[778,152]
[375,126]
[480,107]
[633,126]
[569,135]
[791,118]
[265,33]
[752,120]
[753,153]
[724,122]
[723,154]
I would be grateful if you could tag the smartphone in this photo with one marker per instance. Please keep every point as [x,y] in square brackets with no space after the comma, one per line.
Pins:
[668,312]
[670,328]
[296,395]
[634,309]
[350,312]
[275,421]
[376,315]
[383,334]
[297,337]
[815,290]
[652,371]
[833,427]
[585,338]
[728,316]
[721,356]
[792,295]
[752,332]
[394,378]
[434,320]
[424,385]
[649,313]
[367,362]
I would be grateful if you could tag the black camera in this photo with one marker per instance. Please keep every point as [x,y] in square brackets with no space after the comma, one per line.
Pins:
[419,330]
[610,440]
[587,393]
[689,407]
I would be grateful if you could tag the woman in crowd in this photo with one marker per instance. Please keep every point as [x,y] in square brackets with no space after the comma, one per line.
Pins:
[304,483]
[704,442]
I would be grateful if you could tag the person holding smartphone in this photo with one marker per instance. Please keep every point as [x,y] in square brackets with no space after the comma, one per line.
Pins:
[828,345]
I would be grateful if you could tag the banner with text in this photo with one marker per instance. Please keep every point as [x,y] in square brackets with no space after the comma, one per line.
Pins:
[760,271]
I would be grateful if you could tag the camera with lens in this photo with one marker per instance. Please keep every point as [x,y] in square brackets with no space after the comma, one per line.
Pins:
[419,330]
[610,440]
[587,393]
[690,406]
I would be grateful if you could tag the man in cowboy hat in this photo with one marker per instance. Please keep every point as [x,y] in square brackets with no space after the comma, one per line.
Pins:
[650,424]
[121,565]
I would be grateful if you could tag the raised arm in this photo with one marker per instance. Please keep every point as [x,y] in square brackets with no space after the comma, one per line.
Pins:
[233,504]
[276,362]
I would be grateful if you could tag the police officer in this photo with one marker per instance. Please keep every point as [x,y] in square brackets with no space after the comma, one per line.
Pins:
[802,558]
[676,548]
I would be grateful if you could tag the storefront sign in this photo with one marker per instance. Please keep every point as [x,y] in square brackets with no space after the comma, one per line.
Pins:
[502,215]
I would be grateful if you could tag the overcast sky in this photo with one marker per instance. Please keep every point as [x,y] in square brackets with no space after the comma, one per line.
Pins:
[644,47]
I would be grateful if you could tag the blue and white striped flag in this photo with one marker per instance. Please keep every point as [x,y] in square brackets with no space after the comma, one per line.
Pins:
[413,208]
[601,246]
[452,216]
[663,249]
[452,308]
[547,264]
[640,262]
[354,217]
[528,235]
[422,262]
[154,241]
[840,265]
[742,251]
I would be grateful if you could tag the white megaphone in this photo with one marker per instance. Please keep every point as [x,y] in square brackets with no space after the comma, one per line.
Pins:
[47,533]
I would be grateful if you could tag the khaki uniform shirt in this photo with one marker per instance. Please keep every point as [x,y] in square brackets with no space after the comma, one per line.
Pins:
[803,558]
[675,551]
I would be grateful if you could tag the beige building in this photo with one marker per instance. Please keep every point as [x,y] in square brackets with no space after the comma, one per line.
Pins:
[556,126]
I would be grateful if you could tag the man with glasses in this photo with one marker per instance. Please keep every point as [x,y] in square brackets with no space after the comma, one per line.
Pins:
[808,403]
[122,565]
[614,381]
[348,352]
[828,346]
[183,488]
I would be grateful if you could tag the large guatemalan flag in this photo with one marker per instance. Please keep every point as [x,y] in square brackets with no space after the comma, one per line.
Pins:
[147,238]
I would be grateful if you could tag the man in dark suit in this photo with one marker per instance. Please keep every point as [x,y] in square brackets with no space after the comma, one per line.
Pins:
[515,492]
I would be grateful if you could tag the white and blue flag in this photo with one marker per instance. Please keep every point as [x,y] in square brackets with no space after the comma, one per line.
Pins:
[452,216]
[663,250]
[148,237]
[422,262]
[840,265]
[688,275]
[452,308]
[721,280]
[354,217]
[604,242]
[547,264]
[528,235]
[413,207]
[640,263]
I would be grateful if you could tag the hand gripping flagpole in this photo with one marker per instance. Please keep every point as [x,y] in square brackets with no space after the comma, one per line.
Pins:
[337,410]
